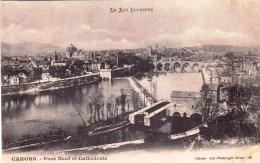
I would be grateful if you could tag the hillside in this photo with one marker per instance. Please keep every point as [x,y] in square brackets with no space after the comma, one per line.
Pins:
[226,48]
[26,48]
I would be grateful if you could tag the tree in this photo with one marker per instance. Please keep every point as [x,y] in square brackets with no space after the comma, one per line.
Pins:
[122,101]
[117,103]
[58,71]
[208,104]
[135,99]
[97,101]
[78,67]
[110,106]
[254,115]
[238,98]
[141,64]
[78,109]
[92,116]
[128,104]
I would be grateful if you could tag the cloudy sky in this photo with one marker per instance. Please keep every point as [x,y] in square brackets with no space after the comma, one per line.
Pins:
[174,23]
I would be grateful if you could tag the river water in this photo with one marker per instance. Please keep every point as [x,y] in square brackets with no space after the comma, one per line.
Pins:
[52,110]
[161,86]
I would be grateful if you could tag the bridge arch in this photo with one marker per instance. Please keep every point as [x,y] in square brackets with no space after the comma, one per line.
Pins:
[187,67]
[176,114]
[196,67]
[159,66]
[177,67]
[167,66]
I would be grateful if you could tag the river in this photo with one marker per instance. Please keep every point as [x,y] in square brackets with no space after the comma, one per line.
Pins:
[50,111]
[54,110]
[162,85]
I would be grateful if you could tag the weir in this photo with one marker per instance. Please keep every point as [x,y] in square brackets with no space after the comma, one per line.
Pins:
[109,74]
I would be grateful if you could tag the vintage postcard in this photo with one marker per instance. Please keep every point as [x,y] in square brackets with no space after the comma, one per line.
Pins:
[130,81]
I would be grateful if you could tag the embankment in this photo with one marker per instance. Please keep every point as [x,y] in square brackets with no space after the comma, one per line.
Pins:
[49,85]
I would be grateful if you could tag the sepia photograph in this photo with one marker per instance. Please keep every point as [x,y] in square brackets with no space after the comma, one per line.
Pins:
[130,81]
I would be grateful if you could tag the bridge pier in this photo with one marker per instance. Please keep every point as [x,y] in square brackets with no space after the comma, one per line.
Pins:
[180,66]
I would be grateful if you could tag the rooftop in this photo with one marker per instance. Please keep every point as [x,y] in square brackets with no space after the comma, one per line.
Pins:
[184,94]
[211,87]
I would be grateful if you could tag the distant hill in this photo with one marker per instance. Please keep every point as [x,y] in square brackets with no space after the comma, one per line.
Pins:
[226,48]
[27,48]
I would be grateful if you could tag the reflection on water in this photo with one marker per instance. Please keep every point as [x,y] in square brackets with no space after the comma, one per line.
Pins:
[51,110]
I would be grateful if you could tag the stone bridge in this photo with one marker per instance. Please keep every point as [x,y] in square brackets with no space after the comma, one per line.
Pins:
[180,66]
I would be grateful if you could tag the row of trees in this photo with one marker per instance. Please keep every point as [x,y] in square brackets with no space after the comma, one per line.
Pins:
[142,65]
[97,105]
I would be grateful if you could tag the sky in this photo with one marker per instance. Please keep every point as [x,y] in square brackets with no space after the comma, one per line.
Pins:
[174,23]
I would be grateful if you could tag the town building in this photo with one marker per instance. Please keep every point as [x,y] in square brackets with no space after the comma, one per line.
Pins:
[96,66]
[58,63]
[186,101]
[106,74]
[79,55]
[149,50]
[14,80]
[32,64]
[46,76]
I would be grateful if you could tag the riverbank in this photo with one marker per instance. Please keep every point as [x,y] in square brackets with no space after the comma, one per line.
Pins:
[34,140]
[50,139]
[35,87]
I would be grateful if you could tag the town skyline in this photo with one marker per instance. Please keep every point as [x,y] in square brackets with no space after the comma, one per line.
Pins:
[180,25]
